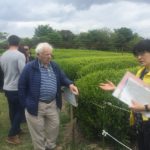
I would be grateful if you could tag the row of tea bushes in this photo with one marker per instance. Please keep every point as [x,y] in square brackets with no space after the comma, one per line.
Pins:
[74,53]
[88,71]
[94,114]
[72,66]
[116,64]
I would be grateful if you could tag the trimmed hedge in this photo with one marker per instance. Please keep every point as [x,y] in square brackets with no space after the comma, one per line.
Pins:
[76,53]
[72,66]
[94,115]
[116,64]
[88,69]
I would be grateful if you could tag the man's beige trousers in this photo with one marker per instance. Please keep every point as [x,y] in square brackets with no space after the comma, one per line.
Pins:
[44,128]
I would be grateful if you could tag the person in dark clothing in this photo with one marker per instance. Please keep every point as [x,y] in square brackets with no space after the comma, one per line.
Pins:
[26,51]
[40,91]
[142,52]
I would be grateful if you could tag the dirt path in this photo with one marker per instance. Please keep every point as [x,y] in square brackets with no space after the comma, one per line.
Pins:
[71,134]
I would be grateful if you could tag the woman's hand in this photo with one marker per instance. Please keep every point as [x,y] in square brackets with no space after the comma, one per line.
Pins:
[108,86]
[136,106]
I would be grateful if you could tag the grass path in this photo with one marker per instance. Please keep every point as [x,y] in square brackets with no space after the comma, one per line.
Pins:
[4,126]
[64,139]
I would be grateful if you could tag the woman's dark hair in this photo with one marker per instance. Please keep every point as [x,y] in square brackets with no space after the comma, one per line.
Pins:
[141,47]
[13,40]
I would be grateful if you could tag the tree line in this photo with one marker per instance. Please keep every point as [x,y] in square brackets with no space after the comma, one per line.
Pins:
[122,39]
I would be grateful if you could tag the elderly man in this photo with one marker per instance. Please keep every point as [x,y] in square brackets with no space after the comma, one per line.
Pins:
[40,93]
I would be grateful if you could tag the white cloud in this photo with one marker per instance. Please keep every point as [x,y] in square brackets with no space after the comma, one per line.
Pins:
[75,15]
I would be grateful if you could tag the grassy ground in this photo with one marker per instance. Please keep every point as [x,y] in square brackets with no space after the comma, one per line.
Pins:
[64,139]
[4,126]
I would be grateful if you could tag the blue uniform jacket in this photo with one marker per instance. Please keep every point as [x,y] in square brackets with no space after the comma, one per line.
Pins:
[29,86]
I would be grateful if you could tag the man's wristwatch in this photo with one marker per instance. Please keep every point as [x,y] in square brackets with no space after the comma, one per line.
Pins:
[146,107]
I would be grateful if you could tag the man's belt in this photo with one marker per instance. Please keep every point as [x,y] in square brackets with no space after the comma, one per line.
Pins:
[46,101]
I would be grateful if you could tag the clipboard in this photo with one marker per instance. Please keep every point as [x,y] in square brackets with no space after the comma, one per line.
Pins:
[132,88]
[70,97]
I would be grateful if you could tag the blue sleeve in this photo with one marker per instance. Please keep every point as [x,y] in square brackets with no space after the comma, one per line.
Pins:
[64,80]
[23,85]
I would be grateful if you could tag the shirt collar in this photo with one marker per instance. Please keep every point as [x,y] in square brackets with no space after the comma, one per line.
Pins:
[41,65]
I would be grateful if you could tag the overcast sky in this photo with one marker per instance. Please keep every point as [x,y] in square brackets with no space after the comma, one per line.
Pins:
[21,17]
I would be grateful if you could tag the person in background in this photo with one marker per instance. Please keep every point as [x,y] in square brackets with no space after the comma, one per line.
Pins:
[26,51]
[12,63]
[40,91]
[28,54]
[142,52]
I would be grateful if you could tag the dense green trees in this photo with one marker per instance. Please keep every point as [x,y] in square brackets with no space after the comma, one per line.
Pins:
[3,37]
[122,39]
[67,38]
[44,33]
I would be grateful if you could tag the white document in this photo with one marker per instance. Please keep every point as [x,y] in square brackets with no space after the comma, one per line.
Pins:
[70,97]
[131,88]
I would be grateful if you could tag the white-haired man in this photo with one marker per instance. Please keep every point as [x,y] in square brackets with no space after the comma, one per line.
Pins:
[40,93]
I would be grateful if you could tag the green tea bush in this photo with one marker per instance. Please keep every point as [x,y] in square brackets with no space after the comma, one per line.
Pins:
[71,66]
[94,114]
[88,69]
[74,53]
[116,64]
[2,51]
